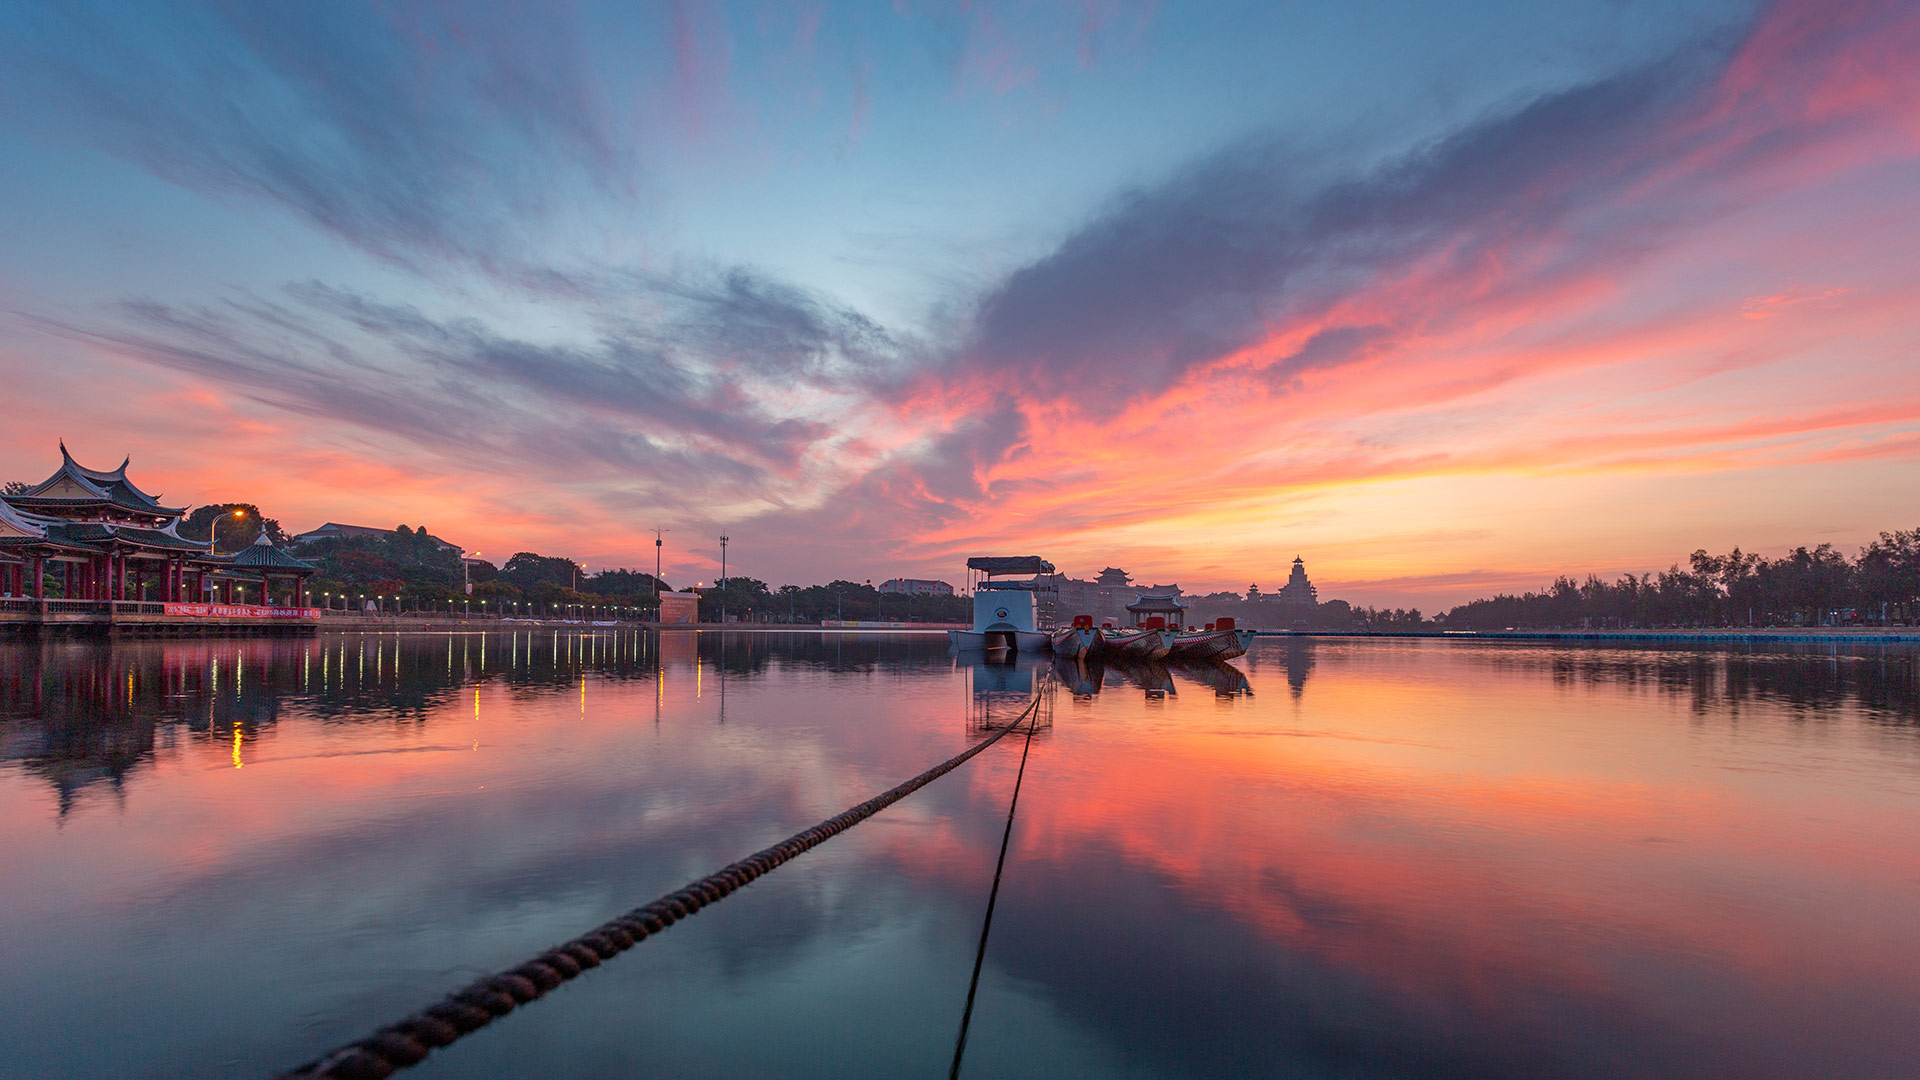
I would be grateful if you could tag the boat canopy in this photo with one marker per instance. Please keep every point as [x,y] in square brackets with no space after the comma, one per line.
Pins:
[1010,564]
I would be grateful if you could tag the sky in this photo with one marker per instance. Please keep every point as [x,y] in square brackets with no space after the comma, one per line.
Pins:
[1444,299]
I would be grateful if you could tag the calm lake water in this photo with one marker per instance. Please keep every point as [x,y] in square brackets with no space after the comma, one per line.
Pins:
[1341,858]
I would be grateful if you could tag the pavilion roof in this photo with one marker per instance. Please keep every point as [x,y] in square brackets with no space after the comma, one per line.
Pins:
[99,486]
[1165,602]
[262,555]
[97,532]
[25,523]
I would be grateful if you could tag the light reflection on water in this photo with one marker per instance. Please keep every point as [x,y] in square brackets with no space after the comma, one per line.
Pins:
[1345,857]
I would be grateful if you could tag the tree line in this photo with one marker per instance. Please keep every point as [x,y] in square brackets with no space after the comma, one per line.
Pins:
[1819,586]
[407,569]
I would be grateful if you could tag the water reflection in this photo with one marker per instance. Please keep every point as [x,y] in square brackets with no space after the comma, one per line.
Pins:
[1445,860]
[82,713]
[1087,677]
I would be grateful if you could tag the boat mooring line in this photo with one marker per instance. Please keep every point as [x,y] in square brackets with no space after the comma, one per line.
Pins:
[406,1043]
[980,955]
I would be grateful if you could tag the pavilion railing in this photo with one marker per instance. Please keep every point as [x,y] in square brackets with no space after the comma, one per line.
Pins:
[75,607]
[139,607]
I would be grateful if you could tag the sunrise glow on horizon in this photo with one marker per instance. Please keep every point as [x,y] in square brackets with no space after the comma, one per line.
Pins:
[1447,303]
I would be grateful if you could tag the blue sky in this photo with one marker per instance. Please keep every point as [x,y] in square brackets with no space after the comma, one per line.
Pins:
[882,284]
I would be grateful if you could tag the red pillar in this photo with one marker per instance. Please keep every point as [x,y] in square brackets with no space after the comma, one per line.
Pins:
[39,579]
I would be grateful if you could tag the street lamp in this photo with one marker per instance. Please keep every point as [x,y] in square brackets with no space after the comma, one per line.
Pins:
[657,542]
[723,579]
[213,530]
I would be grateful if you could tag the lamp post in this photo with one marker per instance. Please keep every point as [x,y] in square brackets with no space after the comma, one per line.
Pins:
[723,579]
[658,542]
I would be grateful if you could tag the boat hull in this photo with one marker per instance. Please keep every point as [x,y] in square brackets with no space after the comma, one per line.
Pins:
[1072,642]
[1135,644]
[1207,645]
[1033,641]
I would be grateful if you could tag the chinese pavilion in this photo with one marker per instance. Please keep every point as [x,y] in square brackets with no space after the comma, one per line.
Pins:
[101,538]
[1164,606]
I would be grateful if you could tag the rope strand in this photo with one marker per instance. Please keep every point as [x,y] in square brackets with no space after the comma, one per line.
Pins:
[993,896]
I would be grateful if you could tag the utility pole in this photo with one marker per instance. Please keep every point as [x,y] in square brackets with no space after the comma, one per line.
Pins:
[723,579]
[657,542]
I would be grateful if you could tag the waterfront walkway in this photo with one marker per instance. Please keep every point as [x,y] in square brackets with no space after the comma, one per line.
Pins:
[151,617]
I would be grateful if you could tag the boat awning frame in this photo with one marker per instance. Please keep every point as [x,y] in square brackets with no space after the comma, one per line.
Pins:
[1010,564]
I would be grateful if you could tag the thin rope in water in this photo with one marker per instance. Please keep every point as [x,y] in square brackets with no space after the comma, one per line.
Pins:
[401,1045]
[993,896]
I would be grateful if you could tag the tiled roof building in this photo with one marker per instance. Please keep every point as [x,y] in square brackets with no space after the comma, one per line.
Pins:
[101,538]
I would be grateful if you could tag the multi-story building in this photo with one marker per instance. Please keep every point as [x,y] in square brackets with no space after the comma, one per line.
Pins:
[1298,592]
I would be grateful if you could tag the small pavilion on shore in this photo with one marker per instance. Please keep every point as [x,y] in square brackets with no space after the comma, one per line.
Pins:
[101,538]
[1166,607]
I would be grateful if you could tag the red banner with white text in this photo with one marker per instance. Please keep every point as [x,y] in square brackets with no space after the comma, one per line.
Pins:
[242,611]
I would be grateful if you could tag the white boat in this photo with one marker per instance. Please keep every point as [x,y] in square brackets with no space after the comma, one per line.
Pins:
[1005,613]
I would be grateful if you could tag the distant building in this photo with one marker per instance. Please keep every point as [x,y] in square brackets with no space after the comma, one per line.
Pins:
[1298,592]
[916,587]
[335,531]
[1106,596]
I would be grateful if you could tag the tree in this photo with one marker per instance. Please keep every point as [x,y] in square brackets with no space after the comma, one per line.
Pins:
[231,531]
[1889,574]
[527,569]
[15,487]
[623,583]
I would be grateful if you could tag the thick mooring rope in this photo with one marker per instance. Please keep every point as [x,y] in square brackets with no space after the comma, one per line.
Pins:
[406,1043]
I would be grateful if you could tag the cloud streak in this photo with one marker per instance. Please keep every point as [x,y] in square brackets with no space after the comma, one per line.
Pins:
[424,134]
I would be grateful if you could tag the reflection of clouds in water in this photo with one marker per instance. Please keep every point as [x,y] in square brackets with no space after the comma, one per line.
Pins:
[85,713]
[1407,895]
